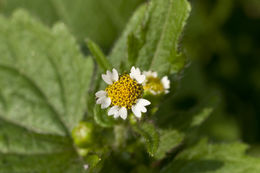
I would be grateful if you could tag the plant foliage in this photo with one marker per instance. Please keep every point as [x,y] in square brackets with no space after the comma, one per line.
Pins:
[49,120]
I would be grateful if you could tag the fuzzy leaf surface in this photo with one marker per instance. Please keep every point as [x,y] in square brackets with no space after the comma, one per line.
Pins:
[43,84]
[158,25]
[214,158]
[100,20]
[151,136]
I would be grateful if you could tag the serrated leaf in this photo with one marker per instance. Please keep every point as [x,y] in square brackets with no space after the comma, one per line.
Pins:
[214,158]
[150,135]
[99,20]
[169,139]
[43,81]
[160,25]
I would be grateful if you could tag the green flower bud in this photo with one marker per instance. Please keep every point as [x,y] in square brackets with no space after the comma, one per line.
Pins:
[83,134]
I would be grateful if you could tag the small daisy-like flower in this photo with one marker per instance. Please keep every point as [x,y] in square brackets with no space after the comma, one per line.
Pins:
[123,93]
[154,84]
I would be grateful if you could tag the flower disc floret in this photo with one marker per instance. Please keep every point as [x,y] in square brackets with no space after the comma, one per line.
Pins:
[125,92]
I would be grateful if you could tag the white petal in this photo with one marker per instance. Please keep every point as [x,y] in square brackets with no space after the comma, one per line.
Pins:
[136,74]
[147,73]
[114,110]
[132,74]
[166,82]
[139,107]
[155,74]
[143,102]
[136,111]
[123,112]
[100,100]
[137,71]
[114,75]
[106,103]
[116,115]
[150,74]
[133,70]
[143,109]
[107,77]
[140,78]
[101,93]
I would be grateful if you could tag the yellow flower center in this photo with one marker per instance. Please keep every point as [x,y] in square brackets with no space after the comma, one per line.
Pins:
[124,92]
[153,84]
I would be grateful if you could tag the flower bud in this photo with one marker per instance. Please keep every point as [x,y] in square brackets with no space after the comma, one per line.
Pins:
[83,134]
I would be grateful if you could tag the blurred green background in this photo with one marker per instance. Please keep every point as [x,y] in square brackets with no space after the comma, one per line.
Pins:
[221,40]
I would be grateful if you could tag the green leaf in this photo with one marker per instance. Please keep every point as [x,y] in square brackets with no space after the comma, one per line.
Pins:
[133,47]
[169,139]
[101,117]
[43,84]
[182,125]
[98,55]
[119,52]
[188,118]
[172,137]
[201,116]
[100,20]
[150,135]
[159,25]
[214,158]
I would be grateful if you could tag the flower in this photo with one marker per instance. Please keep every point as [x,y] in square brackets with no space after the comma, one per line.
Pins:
[123,93]
[85,166]
[154,84]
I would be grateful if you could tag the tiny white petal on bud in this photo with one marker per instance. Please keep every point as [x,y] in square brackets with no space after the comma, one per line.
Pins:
[85,166]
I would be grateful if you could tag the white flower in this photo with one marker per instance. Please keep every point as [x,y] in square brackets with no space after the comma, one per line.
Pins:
[85,166]
[123,93]
[154,84]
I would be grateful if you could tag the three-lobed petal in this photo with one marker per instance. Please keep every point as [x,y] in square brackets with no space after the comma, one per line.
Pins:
[109,77]
[136,74]
[139,107]
[114,111]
